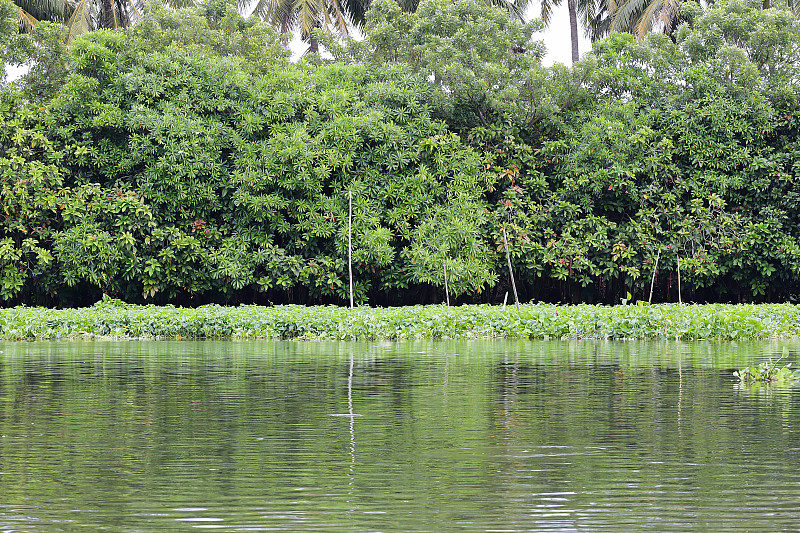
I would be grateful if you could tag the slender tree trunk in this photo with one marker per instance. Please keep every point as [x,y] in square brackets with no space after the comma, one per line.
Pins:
[446,288]
[313,45]
[678,262]
[653,280]
[107,17]
[510,270]
[573,29]
[350,245]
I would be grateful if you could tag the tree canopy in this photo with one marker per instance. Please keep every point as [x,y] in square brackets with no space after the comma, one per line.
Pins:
[184,159]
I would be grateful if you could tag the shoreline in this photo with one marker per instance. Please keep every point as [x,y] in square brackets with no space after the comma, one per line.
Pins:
[113,319]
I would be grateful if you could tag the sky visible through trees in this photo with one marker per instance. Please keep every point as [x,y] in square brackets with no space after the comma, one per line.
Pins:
[556,37]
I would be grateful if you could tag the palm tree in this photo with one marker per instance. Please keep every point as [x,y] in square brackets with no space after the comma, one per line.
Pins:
[308,15]
[79,16]
[339,16]
[641,17]
[31,12]
[590,12]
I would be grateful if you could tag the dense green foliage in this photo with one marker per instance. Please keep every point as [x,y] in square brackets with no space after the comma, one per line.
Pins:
[184,160]
[113,318]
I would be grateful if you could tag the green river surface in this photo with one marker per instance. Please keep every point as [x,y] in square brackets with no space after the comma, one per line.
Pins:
[141,436]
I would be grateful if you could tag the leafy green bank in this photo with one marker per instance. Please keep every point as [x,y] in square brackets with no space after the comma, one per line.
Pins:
[185,160]
[113,318]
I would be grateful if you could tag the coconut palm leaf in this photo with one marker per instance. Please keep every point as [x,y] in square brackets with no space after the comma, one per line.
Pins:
[27,22]
[641,17]
[356,10]
[594,19]
[598,24]
[80,21]
[516,8]
[53,10]
[338,17]
[80,16]
[308,16]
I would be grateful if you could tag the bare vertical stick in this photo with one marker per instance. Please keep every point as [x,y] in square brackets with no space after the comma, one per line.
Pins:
[446,290]
[680,301]
[653,280]
[510,270]
[350,247]
[505,301]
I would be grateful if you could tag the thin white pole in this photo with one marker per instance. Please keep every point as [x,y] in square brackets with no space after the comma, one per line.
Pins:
[350,247]
[653,280]
[680,301]
[352,417]
[510,270]
[446,290]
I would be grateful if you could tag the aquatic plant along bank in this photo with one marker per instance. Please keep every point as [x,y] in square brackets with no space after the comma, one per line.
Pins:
[116,319]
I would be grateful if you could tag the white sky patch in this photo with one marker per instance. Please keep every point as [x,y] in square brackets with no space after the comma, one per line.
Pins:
[556,37]
[15,72]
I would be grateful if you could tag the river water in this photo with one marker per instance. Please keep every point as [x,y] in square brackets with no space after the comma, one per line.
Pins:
[415,436]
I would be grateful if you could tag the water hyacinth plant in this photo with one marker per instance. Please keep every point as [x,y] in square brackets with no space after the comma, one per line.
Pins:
[768,372]
[113,318]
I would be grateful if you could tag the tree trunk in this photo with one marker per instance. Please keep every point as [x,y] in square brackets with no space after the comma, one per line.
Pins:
[573,29]
[107,17]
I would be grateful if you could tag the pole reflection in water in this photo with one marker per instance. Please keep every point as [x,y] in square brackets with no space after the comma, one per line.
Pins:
[351,414]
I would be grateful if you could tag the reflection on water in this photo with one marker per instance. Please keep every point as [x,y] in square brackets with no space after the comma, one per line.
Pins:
[474,436]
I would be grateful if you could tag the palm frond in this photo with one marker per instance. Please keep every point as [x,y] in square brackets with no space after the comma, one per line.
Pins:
[327,19]
[648,18]
[278,13]
[641,17]
[546,10]
[340,22]
[115,16]
[627,14]
[135,8]
[27,22]
[80,21]
[308,13]
[587,11]
[52,10]
[515,9]
[599,26]
[519,8]
[670,14]
[356,11]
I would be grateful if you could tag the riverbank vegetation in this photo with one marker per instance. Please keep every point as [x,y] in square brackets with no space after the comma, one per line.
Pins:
[184,160]
[113,318]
